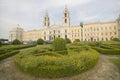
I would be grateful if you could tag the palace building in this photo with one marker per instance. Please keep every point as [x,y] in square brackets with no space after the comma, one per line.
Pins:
[98,31]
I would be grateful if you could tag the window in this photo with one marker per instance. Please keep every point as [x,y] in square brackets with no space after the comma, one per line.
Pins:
[45,23]
[110,28]
[44,37]
[115,33]
[65,14]
[102,39]
[110,33]
[105,28]
[65,31]
[50,32]
[65,20]
[58,31]
[106,34]
[102,34]
[65,36]
[54,36]
[97,29]
[59,36]
[106,39]
[44,32]
[54,31]
[114,27]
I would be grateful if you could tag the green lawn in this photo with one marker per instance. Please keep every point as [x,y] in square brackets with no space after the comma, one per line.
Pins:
[116,62]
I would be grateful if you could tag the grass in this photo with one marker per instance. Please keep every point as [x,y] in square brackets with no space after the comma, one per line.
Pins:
[43,62]
[116,62]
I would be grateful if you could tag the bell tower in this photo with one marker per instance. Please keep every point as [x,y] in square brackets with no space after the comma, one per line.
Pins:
[66,17]
[46,22]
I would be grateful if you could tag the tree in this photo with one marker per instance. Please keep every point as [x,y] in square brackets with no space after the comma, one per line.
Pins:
[59,46]
[67,40]
[40,41]
[16,42]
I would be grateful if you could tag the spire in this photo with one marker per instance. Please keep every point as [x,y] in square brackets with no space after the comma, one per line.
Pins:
[66,9]
[46,13]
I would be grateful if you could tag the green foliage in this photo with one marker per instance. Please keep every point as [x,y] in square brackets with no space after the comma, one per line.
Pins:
[8,48]
[67,40]
[77,40]
[3,56]
[115,39]
[107,51]
[96,44]
[116,62]
[53,65]
[0,43]
[59,45]
[40,41]
[16,42]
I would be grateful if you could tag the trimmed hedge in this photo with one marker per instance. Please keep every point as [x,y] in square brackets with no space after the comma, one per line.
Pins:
[6,55]
[9,48]
[53,65]
[107,51]
[59,45]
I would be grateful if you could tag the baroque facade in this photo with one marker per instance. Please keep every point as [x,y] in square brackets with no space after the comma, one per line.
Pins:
[98,31]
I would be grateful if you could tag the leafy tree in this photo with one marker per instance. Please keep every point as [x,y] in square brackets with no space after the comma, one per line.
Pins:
[16,42]
[68,40]
[40,41]
[59,45]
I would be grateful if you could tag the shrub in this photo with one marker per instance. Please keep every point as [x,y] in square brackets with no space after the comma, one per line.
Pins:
[115,39]
[59,45]
[67,40]
[3,56]
[40,41]
[16,42]
[8,48]
[77,40]
[56,65]
[107,51]
[97,44]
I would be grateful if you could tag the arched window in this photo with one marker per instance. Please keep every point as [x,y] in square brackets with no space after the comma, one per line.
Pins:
[65,14]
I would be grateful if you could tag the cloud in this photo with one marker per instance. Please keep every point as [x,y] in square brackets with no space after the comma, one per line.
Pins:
[29,13]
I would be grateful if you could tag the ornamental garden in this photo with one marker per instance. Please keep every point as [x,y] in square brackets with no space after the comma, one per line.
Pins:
[61,58]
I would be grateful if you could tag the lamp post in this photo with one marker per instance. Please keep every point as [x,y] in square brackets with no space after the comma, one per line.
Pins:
[81,25]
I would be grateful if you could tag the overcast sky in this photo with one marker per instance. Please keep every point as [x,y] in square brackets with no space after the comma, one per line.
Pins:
[29,13]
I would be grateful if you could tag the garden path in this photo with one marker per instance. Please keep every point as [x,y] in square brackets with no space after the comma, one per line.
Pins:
[104,70]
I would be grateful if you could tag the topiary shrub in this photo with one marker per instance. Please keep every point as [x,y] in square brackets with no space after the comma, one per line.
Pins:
[16,42]
[59,45]
[68,40]
[40,41]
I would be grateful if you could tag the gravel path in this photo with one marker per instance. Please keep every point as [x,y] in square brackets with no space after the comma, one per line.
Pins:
[104,70]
